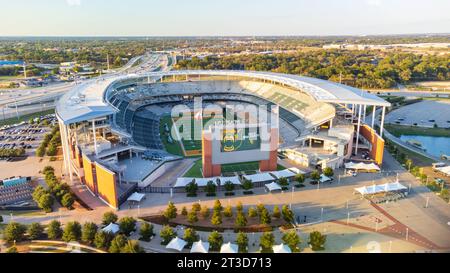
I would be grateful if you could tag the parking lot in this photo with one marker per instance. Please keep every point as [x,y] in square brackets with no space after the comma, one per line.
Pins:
[24,135]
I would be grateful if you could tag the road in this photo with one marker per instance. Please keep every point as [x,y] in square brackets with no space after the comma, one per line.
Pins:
[43,98]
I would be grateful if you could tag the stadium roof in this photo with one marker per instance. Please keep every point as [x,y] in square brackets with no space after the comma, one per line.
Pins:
[86,101]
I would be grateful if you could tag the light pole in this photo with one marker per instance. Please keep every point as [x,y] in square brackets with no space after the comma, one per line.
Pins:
[292,198]
[348,218]
[407,234]
[428,202]
[321,214]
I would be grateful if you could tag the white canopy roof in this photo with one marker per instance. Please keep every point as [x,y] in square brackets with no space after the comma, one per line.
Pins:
[296,170]
[259,177]
[111,228]
[445,170]
[374,189]
[136,197]
[273,187]
[177,244]
[324,178]
[281,249]
[200,247]
[284,173]
[229,248]
[362,166]
[234,179]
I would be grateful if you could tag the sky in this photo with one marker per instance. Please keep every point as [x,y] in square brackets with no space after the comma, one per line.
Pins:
[222,17]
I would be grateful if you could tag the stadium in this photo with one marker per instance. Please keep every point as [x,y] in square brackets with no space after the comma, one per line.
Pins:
[120,134]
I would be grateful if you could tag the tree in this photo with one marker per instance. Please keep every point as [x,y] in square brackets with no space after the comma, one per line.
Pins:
[315,176]
[247,185]
[292,239]
[167,234]
[171,211]
[184,211]
[192,217]
[72,232]
[45,202]
[317,240]
[190,236]
[283,182]
[48,169]
[192,188]
[211,188]
[205,212]
[242,242]
[239,207]
[241,221]
[102,240]
[328,172]
[14,232]
[40,151]
[265,217]
[67,200]
[228,211]
[127,225]
[217,206]
[300,178]
[196,207]
[252,212]
[276,212]
[109,217]
[409,164]
[146,232]
[132,246]
[118,243]
[288,214]
[35,231]
[215,240]
[229,186]
[54,230]
[266,242]
[216,218]
[88,233]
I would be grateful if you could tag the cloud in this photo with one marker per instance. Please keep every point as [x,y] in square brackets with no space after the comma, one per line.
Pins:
[73,2]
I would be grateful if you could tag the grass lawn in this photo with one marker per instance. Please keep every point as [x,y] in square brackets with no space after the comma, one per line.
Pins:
[25,117]
[398,130]
[23,213]
[247,168]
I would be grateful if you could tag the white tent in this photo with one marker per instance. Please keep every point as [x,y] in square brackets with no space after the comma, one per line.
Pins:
[296,170]
[374,189]
[362,166]
[111,228]
[324,178]
[259,177]
[233,179]
[445,170]
[136,197]
[284,173]
[177,244]
[273,187]
[201,182]
[200,247]
[281,249]
[229,248]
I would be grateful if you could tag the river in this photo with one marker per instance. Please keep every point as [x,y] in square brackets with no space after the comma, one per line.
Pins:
[436,146]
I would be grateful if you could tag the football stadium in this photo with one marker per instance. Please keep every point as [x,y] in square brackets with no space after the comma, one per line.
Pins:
[127,133]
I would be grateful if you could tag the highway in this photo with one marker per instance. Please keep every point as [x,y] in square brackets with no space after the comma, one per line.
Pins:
[25,101]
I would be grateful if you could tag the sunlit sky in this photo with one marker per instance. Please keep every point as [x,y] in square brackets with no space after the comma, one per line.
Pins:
[221,17]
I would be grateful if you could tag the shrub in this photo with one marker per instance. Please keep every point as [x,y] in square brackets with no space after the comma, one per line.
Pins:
[54,230]
[283,182]
[132,246]
[88,233]
[217,206]
[67,200]
[228,212]
[276,212]
[292,239]
[102,240]
[241,221]
[317,240]
[215,240]
[72,232]
[205,212]
[14,232]
[196,207]
[109,217]
[190,236]
[239,207]
[265,217]
[211,188]
[266,242]
[252,212]
[171,211]
[118,243]
[300,178]
[288,214]
[167,234]
[184,211]
[216,218]
[127,225]
[192,217]
[328,172]
[229,186]
[146,232]
[315,176]
[242,242]
[191,189]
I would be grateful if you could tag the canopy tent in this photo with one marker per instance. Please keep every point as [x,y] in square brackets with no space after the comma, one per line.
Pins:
[200,247]
[233,179]
[324,178]
[136,197]
[229,248]
[281,249]
[374,189]
[260,177]
[284,173]
[111,228]
[273,187]
[177,244]
[362,166]
[445,170]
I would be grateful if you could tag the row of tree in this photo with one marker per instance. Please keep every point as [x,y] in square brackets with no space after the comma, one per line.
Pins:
[15,152]
[50,143]
[362,69]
